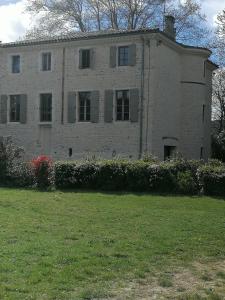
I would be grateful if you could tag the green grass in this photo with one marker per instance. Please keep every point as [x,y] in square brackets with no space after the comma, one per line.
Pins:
[64,245]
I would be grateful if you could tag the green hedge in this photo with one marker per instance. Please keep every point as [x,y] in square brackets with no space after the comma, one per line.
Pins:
[174,177]
[212,179]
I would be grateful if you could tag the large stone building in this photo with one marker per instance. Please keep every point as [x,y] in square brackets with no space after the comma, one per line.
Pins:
[116,93]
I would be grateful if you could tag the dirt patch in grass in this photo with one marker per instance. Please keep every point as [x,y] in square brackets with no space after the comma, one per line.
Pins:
[202,280]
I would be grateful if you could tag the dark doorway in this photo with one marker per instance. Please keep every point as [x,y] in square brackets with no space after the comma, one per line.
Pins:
[169,152]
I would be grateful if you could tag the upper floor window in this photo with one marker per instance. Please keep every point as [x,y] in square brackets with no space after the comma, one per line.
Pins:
[46,61]
[46,107]
[15,108]
[84,106]
[122,105]
[16,64]
[123,56]
[85,58]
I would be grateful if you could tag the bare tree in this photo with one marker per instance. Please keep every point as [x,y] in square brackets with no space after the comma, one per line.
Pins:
[63,16]
[218,100]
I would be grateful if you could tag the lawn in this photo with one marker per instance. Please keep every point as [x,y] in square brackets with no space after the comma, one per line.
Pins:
[83,245]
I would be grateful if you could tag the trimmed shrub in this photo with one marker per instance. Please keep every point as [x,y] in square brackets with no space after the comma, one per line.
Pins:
[212,179]
[21,175]
[186,183]
[10,154]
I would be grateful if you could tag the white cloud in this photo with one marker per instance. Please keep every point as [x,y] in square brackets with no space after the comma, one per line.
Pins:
[211,8]
[13,21]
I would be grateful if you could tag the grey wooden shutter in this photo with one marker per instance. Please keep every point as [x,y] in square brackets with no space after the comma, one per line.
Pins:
[108,110]
[80,59]
[132,55]
[113,50]
[134,105]
[95,106]
[23,109]
[3,109]
[92,58]
[71,105]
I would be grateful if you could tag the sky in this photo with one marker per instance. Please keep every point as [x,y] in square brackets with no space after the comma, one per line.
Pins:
[14,21]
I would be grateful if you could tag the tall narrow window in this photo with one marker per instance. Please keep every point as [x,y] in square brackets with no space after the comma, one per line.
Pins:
[15,108]
[203,113]
[122,105]
[85,58]
[46,107]
[201,153]
[84,106]
[16,64]
[123,53]
[46,61]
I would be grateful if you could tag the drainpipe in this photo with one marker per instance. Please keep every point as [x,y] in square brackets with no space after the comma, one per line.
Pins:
[148,94]
[63,84]
[142,97]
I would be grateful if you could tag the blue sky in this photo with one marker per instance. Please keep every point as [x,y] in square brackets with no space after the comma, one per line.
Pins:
[14,22]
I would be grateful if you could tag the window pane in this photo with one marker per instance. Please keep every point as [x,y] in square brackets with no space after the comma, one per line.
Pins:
[46,61]
[16,64]
[46,107]
[123,56]
[86,58]
[123,108]
[84,106]
[15,108]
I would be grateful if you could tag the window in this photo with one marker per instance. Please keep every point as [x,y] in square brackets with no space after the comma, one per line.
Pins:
[84,106]
[201,153]
[203,113]
[46,61]
[15,108]
[169,152]
[46,107]
[16,64]
[122,106]
[123,59]
[85,58]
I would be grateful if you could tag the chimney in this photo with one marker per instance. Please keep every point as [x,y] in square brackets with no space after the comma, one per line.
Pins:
[169,29]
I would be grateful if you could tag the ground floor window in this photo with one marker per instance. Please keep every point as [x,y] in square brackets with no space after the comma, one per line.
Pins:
[15,108]
[46,107]
[122,105]
[169,152]
[84,106]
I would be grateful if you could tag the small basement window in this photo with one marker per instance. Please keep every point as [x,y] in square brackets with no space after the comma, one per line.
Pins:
[70,152]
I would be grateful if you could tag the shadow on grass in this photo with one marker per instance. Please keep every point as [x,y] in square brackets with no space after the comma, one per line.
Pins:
[111,192]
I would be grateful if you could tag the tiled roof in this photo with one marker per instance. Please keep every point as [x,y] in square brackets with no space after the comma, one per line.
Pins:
[78,36]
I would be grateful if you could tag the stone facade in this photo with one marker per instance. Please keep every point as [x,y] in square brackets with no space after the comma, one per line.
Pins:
[171,86]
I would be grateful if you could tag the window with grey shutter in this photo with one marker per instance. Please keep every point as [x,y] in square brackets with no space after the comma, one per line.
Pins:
[132,55]
[113,51]
[92,58]
[134,105]
[71,107]
[23,109]
[95,106]
[3,109]
[108,109]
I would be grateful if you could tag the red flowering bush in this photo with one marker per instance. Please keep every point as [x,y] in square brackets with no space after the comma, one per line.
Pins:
[43,171]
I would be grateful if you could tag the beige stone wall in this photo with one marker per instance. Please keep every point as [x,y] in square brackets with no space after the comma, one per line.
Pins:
[171,110]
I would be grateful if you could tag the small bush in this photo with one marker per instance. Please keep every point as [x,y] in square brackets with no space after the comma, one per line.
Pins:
[43,171]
